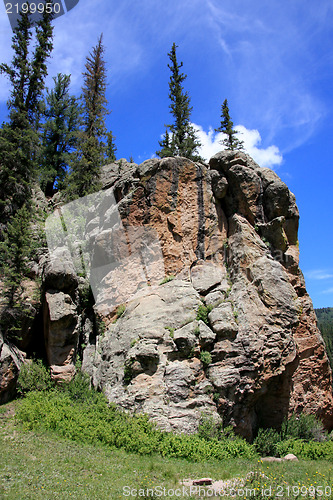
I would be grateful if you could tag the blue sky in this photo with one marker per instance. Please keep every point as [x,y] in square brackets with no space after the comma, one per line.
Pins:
[272,60]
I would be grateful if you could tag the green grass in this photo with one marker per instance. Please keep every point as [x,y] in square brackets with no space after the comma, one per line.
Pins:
[41,465]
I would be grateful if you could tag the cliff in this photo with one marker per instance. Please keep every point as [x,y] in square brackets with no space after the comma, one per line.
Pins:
[199,302]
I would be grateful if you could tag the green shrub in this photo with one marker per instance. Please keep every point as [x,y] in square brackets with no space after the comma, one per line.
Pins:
[120,310]
[205,357]
[79,388]
[203,312]
[266,442]
[100,423]
[305,427]
[307,450]
[208,429]
[33,376]
[168,278]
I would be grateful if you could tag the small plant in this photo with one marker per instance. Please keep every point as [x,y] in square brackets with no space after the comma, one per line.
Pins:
[128,372]
[171,331]
[101,327]
[120,310]
[235,314]
[196,330]
[205,357]
[216,397]
[34,376]
[133,342]
[168,278]
[203,312]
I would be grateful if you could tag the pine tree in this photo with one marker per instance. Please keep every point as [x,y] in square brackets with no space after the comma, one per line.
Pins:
[227,128]
[15,249]
[60,132]
[84,178]
[19,137]
[111,148]
[182,140]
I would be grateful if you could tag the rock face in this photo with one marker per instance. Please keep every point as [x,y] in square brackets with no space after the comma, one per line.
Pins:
[234,334]
[200,305]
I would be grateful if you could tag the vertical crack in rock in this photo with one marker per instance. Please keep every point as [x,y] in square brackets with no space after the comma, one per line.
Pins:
[174,186]
[200,250]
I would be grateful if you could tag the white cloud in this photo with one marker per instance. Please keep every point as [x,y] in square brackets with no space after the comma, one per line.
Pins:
[318,274]
[329,291]
[265,157]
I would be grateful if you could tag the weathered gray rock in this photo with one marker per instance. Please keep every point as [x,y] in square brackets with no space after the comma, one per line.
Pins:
[59,272]
[222,321]
[11,360]
[206,275]
[61,334]
[186,338]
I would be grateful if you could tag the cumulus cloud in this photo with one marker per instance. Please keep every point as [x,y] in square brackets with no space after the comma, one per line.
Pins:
[265,157]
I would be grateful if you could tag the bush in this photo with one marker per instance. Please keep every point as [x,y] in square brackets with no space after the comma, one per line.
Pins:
[307,450]
[208,429]
[305,427]
[203,312]
[79,389]
[266,442]
[98,422]
[33,376]
[205,357]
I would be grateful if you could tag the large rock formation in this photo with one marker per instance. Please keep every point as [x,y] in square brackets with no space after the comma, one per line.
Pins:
[230,331]
[228,233]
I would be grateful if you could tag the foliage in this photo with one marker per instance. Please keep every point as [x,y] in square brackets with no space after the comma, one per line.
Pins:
[168,278]
[120,310]
[92,151]
[205,357]
[60,132]
[303,426]
[15,250]
[100,423]
[208,429]
[111,148]
[307,450]
[181,141]
[325,324]
[203,312]
[266,442]
[33,376]
[227,128]
[79,389]
[19,137]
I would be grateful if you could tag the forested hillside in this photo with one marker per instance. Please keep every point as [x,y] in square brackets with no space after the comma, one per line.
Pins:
[325,323]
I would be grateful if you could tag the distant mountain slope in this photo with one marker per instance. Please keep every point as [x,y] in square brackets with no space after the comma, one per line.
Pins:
[325,323]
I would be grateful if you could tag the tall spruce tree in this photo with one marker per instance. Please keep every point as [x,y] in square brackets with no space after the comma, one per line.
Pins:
[92,149]
[227,128]
[59,133]
[15,249]
[182,140]
[19,137]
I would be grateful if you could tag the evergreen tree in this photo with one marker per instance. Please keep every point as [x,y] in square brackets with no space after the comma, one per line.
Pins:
[15,249]
[19,137]
[182,140]
[227,127]
[84,178]
[110,148]
[60,132]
